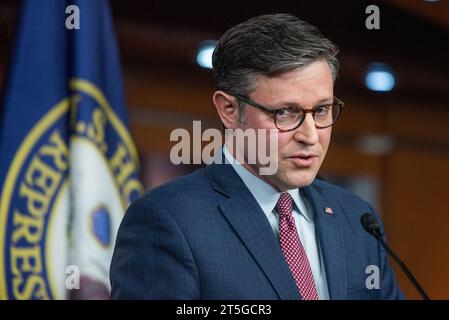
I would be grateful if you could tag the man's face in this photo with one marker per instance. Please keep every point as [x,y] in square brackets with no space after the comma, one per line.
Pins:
[301,151]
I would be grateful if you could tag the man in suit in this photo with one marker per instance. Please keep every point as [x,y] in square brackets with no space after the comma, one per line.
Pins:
[229,232]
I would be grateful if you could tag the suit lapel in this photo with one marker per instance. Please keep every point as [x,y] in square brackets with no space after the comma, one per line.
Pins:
[253,228]
[328,226]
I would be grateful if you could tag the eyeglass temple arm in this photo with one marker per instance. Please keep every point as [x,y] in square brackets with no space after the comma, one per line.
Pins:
[254,104]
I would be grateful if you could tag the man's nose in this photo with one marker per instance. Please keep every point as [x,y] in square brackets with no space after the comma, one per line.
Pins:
[307,132]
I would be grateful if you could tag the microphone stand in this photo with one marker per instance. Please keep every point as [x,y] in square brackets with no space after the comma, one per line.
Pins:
[403,267]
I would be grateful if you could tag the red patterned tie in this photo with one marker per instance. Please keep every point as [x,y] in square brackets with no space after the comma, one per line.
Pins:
[294,252]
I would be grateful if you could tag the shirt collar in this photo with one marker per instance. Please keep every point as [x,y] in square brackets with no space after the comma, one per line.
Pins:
[265,195]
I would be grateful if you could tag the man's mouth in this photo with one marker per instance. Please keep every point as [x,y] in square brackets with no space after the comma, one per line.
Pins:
[303,160]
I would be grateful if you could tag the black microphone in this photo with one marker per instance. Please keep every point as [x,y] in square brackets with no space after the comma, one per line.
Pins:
[370,224]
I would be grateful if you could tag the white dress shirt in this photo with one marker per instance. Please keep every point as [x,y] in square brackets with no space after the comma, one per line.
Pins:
[267,198]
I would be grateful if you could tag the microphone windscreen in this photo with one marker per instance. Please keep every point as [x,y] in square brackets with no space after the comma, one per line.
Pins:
[370,224]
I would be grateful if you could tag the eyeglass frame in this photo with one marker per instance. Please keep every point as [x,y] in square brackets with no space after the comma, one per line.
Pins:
[256,105]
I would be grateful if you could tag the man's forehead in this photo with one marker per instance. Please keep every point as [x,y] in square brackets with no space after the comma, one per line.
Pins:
[284,90]
[315,73]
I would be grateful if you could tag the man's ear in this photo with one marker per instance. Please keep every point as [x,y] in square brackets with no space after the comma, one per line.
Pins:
[227,108]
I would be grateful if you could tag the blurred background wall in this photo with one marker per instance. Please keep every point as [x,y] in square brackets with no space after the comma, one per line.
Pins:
[390,147]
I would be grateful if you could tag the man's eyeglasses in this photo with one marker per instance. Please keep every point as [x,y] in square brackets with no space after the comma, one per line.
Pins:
[290,118]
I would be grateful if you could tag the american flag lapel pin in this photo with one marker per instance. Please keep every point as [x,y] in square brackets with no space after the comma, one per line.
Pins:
[328,210]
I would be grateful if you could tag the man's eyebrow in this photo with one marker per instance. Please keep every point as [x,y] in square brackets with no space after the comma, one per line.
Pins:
[325,100]
[319,102]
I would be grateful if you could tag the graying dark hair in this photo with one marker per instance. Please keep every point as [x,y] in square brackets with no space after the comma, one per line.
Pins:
[268,45]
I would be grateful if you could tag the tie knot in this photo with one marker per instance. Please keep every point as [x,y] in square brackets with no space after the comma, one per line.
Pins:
[284,205]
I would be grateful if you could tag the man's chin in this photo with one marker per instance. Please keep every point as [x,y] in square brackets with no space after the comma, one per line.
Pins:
[301,181]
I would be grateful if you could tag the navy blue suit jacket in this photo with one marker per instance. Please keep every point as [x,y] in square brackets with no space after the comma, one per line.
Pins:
[204,236]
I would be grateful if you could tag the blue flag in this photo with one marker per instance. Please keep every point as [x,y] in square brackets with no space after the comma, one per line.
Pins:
[68,166]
